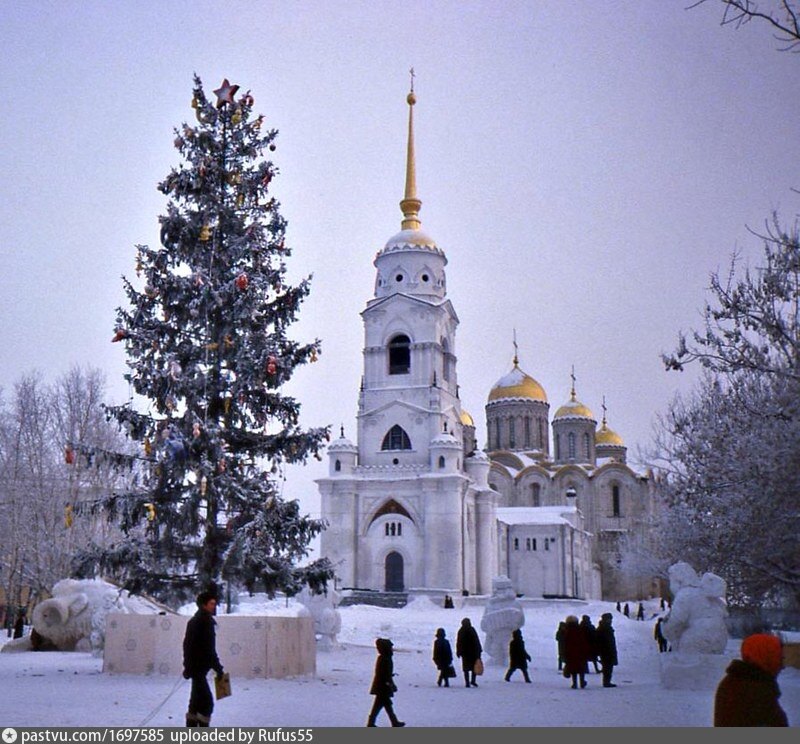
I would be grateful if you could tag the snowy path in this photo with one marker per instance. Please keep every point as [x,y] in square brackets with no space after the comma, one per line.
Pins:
[69,689]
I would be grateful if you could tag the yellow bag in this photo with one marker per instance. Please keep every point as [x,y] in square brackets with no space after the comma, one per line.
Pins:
[222,685]
[478,668]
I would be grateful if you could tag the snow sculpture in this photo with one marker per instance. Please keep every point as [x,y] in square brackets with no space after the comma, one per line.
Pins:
[695,629]
[327,619]
[696,622]
[74,618]
[502,615]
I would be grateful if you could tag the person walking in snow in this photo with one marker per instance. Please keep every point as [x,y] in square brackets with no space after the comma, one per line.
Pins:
[576,652]
[591,636]
[199,657]
[518,657]
[640,612]
[469,650]
[748,693]
[383,686]
[607,647]
[627,610]
[442,657]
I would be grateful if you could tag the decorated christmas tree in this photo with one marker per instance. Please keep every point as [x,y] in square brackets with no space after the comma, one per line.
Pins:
[208,351]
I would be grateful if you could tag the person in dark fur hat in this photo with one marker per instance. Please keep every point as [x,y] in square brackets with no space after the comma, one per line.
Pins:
[606,647]
[518,657]
[199,657]
[469,650]
[442,657]
[576,652]
[748,693]
[383,686]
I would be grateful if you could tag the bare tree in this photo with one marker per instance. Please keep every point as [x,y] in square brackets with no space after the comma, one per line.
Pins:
[44,483]
[781,15]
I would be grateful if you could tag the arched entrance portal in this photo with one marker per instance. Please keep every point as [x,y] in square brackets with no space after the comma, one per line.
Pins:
[394,572]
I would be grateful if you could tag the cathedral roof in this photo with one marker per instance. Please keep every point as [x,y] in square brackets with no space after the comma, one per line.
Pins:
[573,408]
[517,384]
[608,437]
[466,419]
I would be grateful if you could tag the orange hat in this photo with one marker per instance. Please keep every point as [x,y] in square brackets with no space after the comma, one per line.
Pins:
[764,651]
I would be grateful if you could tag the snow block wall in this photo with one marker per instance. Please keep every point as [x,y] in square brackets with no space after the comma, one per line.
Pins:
[248,646]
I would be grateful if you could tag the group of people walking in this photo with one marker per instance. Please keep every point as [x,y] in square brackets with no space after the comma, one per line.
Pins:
[580,642]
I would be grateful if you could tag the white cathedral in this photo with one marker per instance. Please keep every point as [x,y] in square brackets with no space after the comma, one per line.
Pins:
[415,506]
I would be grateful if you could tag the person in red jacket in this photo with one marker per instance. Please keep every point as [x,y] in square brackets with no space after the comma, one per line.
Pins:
[748,693]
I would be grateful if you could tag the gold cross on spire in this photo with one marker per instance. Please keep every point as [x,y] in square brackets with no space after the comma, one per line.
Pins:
[604,410]
[516,349]
[413,75]
[572,375]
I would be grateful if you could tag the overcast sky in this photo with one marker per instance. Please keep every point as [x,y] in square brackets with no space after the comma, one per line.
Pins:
[584,165]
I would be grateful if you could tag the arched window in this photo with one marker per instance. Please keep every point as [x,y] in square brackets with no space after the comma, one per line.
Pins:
[396,439]
[527,443]
[441,461]
[497,434]
[571,445]
[541,435]
[536,494]
[512,436]
[400,355]
[558,446]
[615,500]
[446,360]
[586,448]
[337,466]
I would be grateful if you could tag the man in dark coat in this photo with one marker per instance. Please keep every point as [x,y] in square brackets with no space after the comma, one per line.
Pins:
[640,612]
[383,686]
[576,652]
[591,632]
[748,693]
[199,657]
[442,657]
[469,650]
[518,657]
[607,647]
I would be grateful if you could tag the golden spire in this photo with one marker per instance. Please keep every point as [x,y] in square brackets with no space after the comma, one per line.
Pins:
[410,205]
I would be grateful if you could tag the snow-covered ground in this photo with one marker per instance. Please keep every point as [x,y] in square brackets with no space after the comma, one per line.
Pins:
[69,689]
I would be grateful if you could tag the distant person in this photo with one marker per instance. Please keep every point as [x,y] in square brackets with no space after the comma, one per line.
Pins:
[607,648]
[442,657]
[383,686]
[469,650]
[560,642]
[199,657]
[659,636]
[591,636]
[518,657]
[748,693]
[663,604]
[619,609]
[626,611]
[19,624]
[576,652]
[640,612]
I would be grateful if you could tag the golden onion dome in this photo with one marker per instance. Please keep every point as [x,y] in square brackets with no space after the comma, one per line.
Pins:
[516,384]
[608,437]
[574,409]
[466,419]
